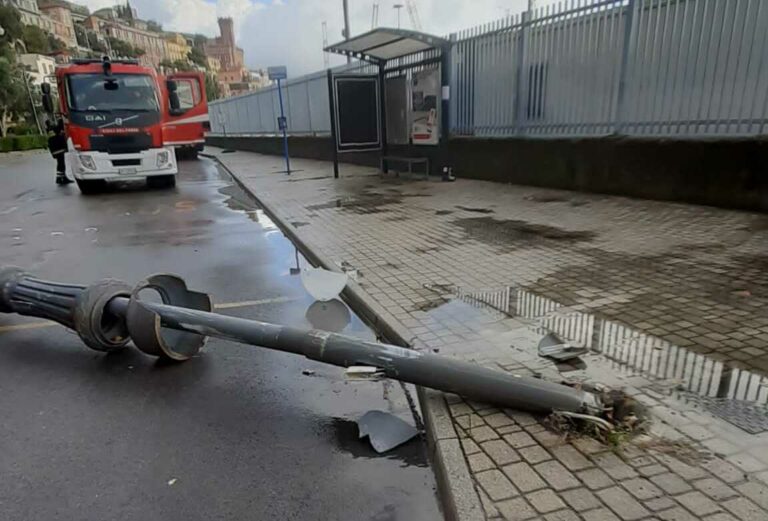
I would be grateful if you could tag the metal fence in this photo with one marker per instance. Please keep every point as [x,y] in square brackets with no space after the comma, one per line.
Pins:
[306,106]
[575,68]
[305,100]
[637,67]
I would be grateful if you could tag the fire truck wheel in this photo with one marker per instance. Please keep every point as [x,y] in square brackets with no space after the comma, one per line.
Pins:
[161,181]
[91,186]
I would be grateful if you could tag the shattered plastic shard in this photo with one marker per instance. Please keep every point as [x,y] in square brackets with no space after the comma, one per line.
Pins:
[552,347]
[385,431]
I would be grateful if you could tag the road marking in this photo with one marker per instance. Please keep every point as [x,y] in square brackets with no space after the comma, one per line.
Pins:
[249,303]
[224,305]
[185,206]
[31,325]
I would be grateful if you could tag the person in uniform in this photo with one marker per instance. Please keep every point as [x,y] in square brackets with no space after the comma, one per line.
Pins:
[57,145]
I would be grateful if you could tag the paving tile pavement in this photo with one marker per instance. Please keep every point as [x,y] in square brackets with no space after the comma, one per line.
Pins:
[475,270]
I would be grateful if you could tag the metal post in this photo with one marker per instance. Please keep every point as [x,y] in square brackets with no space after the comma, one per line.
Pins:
[31,100]
[109,314]
[623,70]
[332,110]
[524,32]
[346,26]
[383,117]
[446,73]
[284,124]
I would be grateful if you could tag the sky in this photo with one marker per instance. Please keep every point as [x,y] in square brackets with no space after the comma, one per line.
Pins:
[289,32]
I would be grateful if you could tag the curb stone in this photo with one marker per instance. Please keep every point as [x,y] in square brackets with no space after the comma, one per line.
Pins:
[457,493]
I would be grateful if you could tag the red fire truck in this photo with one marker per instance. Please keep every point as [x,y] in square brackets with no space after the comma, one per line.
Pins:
[122,120]
[184,127]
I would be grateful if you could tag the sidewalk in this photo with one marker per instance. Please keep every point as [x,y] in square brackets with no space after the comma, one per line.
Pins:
[671,299]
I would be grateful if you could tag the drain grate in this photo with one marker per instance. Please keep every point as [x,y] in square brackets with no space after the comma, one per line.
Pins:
[747,416]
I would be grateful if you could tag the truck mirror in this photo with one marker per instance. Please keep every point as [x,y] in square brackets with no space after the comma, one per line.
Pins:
[173,97]
[174,103]
[46,88]
[111,84]
[47,100]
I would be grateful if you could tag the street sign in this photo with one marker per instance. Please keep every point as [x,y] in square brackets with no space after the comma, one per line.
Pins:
[278,72]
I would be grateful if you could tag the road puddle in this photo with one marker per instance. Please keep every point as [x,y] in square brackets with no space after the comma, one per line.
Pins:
[617,353]
[410,454]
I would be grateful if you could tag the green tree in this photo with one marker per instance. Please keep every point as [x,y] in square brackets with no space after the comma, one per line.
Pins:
[212,90]
[196,55]
[10,21]
[154,26]
[54,44]
[122,48]
[178,65]
[13,97]
[95,43]
[36,40]
[199,40]
[81,34]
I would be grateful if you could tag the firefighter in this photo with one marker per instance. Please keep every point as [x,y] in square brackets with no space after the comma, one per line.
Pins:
[57,145]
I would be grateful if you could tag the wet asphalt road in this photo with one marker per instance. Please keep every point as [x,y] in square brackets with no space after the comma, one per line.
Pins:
[236,433]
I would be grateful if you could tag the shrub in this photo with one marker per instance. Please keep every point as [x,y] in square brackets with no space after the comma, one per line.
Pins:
[25,142]
[22,130]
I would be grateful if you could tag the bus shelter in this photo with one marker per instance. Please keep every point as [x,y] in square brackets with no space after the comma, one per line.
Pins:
[396,103]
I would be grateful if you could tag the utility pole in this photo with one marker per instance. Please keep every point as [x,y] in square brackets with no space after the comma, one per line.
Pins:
[346,25]
[397,8]
[31,99]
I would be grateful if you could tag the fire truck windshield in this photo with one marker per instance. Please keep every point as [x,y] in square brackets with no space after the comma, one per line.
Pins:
[98,93]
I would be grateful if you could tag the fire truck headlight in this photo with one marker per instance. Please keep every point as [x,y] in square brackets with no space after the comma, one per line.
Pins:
[87,162]
[162,158]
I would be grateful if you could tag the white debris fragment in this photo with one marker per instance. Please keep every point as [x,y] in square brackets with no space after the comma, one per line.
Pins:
[363,372]
[385,431]
[322,284]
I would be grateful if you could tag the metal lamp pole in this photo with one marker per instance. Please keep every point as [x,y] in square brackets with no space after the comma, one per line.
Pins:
[397,8]
[108,314]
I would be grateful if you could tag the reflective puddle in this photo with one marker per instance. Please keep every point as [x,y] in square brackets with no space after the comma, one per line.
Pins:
[616,352]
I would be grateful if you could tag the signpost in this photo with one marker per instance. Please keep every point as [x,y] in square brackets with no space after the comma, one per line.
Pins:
[280,73]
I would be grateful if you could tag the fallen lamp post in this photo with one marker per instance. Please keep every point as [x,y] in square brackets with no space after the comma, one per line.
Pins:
[109,314]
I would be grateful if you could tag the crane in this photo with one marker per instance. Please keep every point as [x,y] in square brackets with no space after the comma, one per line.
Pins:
[413,13]
[325,44]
